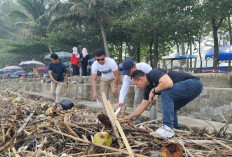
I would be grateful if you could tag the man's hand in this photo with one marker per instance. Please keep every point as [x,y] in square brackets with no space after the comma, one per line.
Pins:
[66,85]
[128,118]
[152,97]
[118,105]
[56,82]
[115,92]
[94,96]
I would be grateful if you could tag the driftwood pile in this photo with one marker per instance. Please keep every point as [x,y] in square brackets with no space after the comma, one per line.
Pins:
[27,131]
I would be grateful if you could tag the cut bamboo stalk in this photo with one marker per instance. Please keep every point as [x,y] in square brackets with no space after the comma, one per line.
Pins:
[219,142]
[115,120]
[112,120]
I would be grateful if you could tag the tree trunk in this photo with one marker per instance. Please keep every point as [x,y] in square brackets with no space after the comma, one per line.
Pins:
[150,53]
[230,33]
[199,51]
[216,49]
[129,50]
[178,48]
[120,54]
[138,53]
[182,61]
[50,49]
[191,60]
[182,45]
[156,50]
[103,37]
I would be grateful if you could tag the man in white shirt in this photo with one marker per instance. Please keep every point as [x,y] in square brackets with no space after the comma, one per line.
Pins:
[109,74]
[129,67]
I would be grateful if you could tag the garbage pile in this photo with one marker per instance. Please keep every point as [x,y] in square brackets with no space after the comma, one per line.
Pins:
[32,127]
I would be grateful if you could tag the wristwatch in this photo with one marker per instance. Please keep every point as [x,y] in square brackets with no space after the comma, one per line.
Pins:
[153,90]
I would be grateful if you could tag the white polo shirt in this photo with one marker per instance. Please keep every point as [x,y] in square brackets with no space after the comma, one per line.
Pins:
[146,68]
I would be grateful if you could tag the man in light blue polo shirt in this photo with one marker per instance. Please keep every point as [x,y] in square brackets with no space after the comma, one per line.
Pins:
[129,67]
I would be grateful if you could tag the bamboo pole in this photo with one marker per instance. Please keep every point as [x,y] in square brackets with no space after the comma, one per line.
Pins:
[111,114]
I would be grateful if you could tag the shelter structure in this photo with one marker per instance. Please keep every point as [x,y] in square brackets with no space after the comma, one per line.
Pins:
[225,54]
[187,58]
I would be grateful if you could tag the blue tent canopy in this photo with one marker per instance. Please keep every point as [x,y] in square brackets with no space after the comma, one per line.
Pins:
[225,53]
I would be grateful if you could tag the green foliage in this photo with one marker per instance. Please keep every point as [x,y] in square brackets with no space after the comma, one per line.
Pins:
[136,25]
[12,53]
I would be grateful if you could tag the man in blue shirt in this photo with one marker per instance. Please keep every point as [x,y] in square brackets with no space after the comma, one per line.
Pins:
[56,71]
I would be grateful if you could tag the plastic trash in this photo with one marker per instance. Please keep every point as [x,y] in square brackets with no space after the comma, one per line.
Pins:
[66,104]
[18,99]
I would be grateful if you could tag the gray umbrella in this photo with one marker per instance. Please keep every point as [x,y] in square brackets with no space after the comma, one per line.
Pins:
[61,55]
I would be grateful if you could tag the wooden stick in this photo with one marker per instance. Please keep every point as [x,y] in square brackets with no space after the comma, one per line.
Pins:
[112,120]
[103,154]
[19,130]
[14,151]
[147,122]
[24,124]
[71,130]
[84,141]
[111,114]
[185,149]
[47,153]
[222,144]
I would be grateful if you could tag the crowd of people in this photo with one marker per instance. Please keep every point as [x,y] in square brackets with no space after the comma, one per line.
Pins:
[175,88]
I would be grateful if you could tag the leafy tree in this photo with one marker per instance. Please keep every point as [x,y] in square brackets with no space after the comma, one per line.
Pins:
[12,53]
[98,12]
[34,17]
[215,11]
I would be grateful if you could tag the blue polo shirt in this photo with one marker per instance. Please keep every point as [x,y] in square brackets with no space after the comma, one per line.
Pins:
[59,70]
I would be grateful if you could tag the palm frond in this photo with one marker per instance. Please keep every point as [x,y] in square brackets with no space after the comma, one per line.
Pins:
[22,24]
[70,17]
[17,14]
[59,8]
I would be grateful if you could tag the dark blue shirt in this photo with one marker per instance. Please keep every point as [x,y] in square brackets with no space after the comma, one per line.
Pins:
[154,75]
[58,71]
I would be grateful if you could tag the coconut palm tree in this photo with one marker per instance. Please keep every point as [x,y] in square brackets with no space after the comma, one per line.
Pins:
[34,16]
[98,12]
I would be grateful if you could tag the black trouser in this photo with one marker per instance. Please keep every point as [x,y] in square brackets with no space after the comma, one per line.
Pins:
[75,70]
[84,69]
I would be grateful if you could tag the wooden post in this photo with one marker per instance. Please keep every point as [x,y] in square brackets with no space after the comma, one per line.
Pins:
[171,64]
[229,66]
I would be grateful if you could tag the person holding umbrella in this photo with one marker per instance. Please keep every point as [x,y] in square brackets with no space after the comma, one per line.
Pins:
[56,71]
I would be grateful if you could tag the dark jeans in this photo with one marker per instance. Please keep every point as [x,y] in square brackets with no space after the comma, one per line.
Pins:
[75,70]
[176,97]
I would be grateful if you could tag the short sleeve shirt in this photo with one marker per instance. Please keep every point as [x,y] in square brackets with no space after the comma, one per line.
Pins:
[59,69]
[106,69]
[146,68]
[154,75]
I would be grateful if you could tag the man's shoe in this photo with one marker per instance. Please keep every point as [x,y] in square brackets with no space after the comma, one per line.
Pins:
[165,131]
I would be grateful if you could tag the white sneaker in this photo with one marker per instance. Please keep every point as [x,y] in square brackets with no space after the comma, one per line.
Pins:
[165,131]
